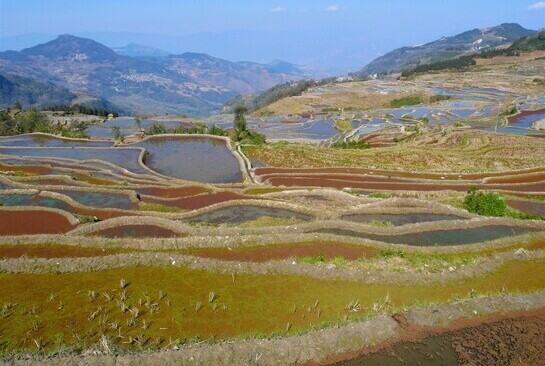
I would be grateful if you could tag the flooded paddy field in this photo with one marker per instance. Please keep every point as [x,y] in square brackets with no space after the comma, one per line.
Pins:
[127,158]
[198,159]
[401,219]
[100,199]
[439,237]
[239,214]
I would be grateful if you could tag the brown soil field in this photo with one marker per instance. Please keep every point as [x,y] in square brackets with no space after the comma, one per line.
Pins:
[29,169]
[501,339]
[327,250]
[33,222]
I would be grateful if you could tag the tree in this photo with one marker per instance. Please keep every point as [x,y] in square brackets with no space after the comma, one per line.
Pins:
[32,121]
[116,132]
[138,122]
[240,118]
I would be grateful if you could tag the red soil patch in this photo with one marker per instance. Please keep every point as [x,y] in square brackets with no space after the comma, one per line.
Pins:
[52,251]
[329,250]
[350,178]
[203,200]
[390,173]
[515,119]
[177,192]
[533,178]
[536,208]
[137,231]
[33,222]
[339,182]
[29,169]
[333,183]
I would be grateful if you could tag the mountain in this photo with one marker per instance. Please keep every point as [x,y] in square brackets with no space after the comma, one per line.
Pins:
[472,41]
[31,93]
[192,84]
[137,50]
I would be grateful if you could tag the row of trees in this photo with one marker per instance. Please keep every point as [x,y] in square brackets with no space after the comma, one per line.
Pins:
[84,109]
[35,121]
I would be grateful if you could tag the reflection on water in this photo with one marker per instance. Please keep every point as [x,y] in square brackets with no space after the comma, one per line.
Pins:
[239,214]
[199,159]
[49,141]
[439,237]
[401,219]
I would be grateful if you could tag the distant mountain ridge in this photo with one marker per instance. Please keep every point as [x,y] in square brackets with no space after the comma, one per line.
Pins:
[472,41]
[193,84]
[138,50]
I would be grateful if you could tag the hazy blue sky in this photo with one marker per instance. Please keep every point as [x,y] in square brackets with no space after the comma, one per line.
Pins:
[303,24]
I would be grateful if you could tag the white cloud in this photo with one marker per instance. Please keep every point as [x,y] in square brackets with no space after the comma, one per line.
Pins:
[279,9]
[537,6]
[334,7]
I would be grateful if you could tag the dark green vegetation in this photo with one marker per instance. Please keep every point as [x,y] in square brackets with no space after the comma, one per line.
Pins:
[407,58]
[31,93]
[276,93]
[485,203]
[92,110]
[14,123]
[439,98]
[360,144]
[241,133]
[535,42]
[452,64]
[194,128]
[406,101]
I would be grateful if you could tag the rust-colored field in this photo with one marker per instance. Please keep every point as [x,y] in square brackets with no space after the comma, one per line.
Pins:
[327,250]
[28,222]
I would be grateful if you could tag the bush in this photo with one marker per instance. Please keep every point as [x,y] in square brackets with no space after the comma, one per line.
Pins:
[351,145]
[485,203]
[407,101]
[156,129]
[439,98]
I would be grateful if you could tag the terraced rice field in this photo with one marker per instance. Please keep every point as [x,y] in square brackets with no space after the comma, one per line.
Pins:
[123,250]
